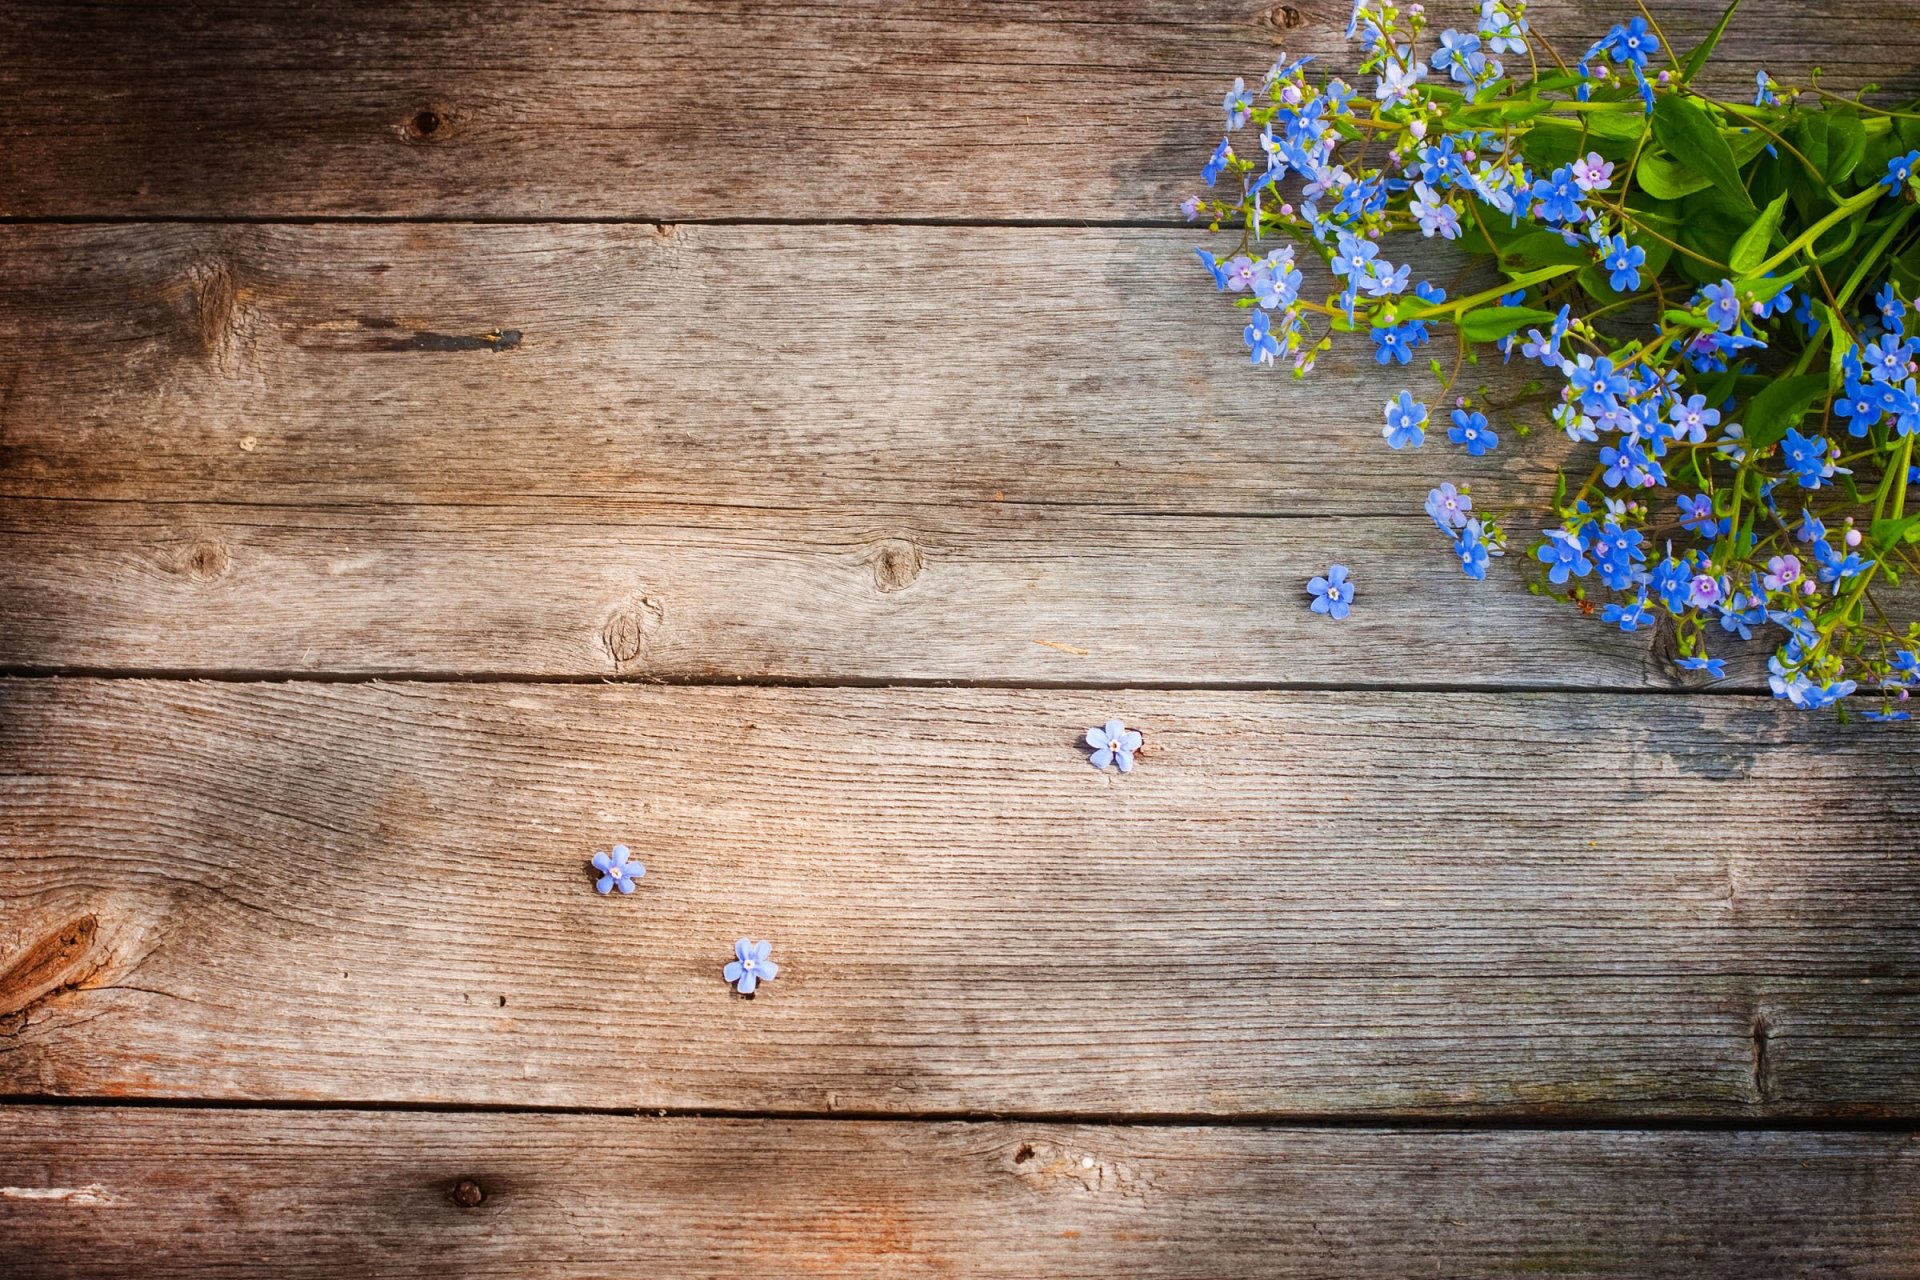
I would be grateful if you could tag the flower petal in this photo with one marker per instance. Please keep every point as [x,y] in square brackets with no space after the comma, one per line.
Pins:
[1125,761]
[1096,737]
[605,884]
[1101,758]
[733,971]
[769,970]
[1131,740]
[601,862]
[621,853]
[747,984]
[761,950]
[1115,728]
[626,884]
[744,949]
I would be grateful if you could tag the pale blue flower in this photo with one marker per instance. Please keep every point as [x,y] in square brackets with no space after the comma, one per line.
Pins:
[1113,744]
[1332,594]
[616,870]
[750,966]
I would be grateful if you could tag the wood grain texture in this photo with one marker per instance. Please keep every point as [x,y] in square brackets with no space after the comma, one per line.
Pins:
[737,367]
[905,453]
[1297,905]
[622,590]
[869,109]
[164,1193]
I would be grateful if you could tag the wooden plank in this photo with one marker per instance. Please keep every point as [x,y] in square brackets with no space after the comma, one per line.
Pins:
[785,367]
[1538,905]
[1002,593]
[86,1192]
[937,451]
[863,109]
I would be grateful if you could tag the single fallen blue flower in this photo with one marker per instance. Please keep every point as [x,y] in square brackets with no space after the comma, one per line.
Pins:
[1113,744]
[1470,429]
[1628,617]
[1715,668]
[1886,716]
[616,870]
[1332,594]
[1406,422]
[750,965]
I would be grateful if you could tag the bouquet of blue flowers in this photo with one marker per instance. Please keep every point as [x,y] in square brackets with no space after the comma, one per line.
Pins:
[1716,290]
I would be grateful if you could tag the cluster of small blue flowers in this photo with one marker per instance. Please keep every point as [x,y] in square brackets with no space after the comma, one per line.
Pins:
[1441,147]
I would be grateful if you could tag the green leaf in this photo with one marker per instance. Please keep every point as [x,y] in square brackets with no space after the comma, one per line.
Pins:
[1846,142]
[1750,250]
[1780,405]
[1688,133]
[1665,178]
[1698,58]
[1617,126]
[1766,288]
[1887,534]
[1543,249]
[1811,134]
[1490,324]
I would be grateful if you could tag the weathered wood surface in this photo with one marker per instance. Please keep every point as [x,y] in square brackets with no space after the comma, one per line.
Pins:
[749,367]
[161,1193]
[858,110]
[905,453]
[1297,905]
[1008,593]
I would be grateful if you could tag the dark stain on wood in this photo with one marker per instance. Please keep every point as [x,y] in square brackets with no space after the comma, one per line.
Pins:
[426,340]
[1763,1085]
[54,964]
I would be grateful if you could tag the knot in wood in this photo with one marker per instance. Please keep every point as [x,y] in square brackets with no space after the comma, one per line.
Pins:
[896,562]
[626,630]
[207,561]
[56,962]
[1283,17]
[467,1193]
[428,124]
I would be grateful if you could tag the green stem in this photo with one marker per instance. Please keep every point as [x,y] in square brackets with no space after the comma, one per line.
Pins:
[1848,207]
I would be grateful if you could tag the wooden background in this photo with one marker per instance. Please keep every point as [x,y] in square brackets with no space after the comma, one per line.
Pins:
[437,442]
